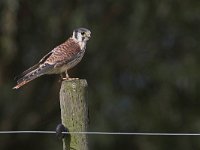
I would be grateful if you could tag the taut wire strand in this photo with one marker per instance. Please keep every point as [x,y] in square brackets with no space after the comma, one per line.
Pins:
[104,133]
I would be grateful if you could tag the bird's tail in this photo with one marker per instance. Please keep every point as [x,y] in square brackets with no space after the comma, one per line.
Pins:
[31,74]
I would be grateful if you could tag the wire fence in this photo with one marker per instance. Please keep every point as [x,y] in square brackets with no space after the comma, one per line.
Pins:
[104,133]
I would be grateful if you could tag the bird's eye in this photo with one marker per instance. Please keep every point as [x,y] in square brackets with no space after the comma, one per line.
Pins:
[82,33]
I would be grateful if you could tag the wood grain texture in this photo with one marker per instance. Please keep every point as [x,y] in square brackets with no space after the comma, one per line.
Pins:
[74,113]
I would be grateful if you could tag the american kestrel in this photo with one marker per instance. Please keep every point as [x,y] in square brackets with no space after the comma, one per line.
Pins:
[60,59]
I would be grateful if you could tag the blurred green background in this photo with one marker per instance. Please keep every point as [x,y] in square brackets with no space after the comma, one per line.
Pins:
[141,64]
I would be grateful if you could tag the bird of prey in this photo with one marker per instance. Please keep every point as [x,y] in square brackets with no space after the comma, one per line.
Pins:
[60,59]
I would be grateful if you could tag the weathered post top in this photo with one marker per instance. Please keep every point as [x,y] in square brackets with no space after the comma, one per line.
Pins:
[74,113]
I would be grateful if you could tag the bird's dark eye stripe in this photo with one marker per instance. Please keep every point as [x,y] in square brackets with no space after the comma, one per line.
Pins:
[82,33]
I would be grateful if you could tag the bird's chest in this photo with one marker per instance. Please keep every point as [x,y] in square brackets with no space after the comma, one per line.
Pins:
[69,65]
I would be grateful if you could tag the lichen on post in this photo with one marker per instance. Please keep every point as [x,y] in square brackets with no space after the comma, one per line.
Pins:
[74,113]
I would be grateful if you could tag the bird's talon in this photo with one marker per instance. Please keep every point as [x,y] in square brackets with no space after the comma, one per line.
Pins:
[73,79]
[64,79]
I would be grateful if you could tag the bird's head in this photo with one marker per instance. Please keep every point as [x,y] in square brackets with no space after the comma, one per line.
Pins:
[81,34]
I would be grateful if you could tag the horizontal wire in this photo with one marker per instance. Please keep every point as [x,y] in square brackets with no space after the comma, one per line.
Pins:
[103,133]
[26,132]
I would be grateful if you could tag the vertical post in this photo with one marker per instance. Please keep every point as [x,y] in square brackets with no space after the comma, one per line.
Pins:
[74,113]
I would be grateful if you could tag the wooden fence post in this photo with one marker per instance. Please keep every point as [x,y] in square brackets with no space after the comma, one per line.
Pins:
[74,113]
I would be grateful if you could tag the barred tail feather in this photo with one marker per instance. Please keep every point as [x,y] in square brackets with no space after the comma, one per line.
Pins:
[27,78]
[21,84]
[32,75]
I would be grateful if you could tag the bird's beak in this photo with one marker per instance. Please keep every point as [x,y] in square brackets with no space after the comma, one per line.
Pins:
[88,34]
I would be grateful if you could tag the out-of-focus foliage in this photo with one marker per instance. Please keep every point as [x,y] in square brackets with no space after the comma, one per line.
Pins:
[142,67]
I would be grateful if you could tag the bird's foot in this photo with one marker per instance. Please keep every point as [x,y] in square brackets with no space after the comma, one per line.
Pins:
[69,79]
[72,78]
[63,79]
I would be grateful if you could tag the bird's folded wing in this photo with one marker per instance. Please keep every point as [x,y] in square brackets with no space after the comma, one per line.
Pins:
[64,53]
